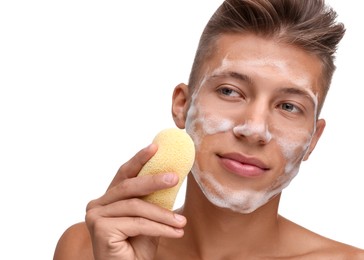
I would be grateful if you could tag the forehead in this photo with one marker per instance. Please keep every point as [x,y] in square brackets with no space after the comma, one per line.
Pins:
[259,57]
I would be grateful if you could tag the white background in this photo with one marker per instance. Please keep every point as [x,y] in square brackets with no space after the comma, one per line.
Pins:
[86,84]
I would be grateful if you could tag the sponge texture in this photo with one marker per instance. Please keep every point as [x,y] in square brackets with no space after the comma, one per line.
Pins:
[176,153]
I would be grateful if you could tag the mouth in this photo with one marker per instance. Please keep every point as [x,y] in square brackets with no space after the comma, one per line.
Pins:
[242,165]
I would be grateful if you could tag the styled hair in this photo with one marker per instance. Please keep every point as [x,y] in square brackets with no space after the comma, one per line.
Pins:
[308,24]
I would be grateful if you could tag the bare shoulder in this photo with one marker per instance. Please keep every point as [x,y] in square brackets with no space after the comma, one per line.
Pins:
[310,245]
[331,249]
[75,243]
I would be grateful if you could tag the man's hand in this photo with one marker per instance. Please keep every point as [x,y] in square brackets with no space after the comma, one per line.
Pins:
[122,226]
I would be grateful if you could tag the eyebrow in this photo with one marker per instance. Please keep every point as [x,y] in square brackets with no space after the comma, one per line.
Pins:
[299,92]
[235,75]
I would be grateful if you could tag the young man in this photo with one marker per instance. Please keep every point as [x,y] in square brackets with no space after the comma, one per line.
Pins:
[258,82]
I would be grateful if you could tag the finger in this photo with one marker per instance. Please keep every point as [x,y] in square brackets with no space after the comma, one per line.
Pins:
[137,208]
[140,226]
[132,167]
[136,187]
[137,226]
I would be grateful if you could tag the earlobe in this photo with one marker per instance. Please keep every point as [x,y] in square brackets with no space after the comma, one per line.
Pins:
[320,126]
[180,103]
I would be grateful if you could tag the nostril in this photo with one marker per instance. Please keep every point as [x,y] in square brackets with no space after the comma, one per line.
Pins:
[253,131]
[242,130]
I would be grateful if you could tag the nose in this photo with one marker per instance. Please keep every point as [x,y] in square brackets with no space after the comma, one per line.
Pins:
[255,127]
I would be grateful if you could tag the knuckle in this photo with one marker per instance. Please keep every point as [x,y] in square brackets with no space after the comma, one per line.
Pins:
[156,182]
[124,185]
[132,203]
[92,216]
[139,222]
[156,179]
[90,205]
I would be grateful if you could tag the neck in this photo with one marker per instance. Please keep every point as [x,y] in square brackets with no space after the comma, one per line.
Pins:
[212,230]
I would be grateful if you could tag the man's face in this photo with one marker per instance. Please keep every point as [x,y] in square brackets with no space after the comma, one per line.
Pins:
[253,119]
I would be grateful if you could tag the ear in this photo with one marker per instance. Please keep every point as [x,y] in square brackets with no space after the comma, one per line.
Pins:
[320,126]
[180,104]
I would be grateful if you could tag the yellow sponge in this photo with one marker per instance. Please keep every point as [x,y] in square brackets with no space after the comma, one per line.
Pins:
[176,153]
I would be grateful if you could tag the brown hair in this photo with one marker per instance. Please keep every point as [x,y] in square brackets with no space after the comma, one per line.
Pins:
[309,24]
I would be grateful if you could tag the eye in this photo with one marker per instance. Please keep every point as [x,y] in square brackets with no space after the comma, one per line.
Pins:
[290,108]
[226,91]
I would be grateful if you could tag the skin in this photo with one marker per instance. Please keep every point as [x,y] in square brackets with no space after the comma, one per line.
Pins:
[269,113]
[234,99]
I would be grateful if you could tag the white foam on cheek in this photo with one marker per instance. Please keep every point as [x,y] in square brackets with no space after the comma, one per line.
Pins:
[213,125]
[290,142]
[198,124]
[294,146]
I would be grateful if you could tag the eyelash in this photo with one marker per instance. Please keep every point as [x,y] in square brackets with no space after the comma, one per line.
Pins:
[295,108]
[232,93]
[223,90]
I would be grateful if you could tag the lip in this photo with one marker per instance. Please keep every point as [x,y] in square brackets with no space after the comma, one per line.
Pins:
[244,166]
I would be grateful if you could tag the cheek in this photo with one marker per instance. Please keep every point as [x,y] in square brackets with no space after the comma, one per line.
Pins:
[199,123]
[293,145]
[213,124]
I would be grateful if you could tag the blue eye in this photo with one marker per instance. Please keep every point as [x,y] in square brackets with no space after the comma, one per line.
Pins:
[228,92]
[290,107]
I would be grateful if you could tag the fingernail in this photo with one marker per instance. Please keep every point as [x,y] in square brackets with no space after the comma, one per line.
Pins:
[178,230]
[179,218]
[169,178]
